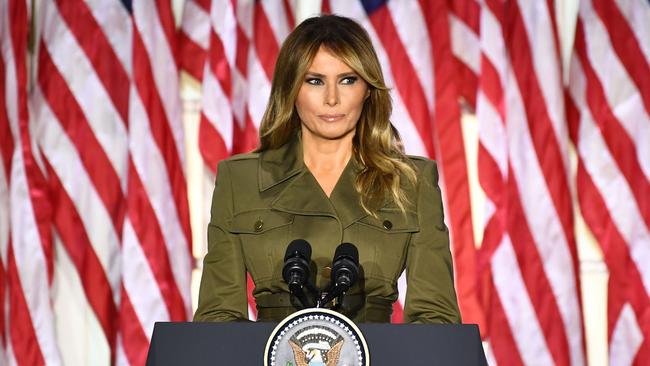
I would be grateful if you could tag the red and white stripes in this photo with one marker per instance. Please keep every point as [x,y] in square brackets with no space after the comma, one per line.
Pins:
[529,251]
[105,113]
[231,47]
[28,332]
[195,36]
[239,49]
[609,109]
[80,103]
[6,157]
[156,246]
[464,24]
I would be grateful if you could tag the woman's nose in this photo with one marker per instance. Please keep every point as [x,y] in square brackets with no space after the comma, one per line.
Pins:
[331,95]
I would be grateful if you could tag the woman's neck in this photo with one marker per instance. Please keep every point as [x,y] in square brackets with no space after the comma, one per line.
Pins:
[326,156]
[326,160]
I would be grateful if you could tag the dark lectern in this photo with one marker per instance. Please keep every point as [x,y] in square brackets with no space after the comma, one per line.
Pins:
[243,344]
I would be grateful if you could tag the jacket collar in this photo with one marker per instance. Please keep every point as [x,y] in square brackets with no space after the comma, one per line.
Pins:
[278,165]
[303,194]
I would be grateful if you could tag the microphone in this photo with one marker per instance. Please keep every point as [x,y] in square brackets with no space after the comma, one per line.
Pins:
[345,267]
[296,268]
[345,271]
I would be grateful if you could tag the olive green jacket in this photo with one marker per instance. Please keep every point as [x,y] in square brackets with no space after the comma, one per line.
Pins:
[263,201]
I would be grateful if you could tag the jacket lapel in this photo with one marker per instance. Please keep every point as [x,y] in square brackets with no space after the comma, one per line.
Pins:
[345,198]
[278,165]
[302,194]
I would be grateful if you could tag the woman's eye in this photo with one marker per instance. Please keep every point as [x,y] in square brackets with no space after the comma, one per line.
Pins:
[314,81]
[349,80]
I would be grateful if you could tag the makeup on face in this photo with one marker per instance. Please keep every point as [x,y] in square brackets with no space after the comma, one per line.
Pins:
[330,100]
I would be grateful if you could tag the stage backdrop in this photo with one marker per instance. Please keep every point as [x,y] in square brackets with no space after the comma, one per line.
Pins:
[536,111]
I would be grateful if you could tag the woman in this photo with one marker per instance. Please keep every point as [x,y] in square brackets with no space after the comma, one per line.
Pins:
[329,169]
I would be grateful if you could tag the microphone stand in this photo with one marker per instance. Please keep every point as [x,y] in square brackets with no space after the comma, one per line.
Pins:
[333,291]
[298,291]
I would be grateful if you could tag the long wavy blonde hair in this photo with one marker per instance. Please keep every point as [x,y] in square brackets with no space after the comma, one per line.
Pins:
[376,144]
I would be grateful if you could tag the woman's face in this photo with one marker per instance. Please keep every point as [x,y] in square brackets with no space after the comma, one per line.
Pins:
[330,99]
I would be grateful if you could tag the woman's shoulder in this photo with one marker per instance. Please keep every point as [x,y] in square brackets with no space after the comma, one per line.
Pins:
[239,166]
[426,171]
[422,164]
[241,159]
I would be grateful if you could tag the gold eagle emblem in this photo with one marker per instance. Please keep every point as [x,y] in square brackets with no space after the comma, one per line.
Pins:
[316,356]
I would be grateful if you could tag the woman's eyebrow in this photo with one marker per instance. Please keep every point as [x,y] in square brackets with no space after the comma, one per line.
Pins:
[319,75]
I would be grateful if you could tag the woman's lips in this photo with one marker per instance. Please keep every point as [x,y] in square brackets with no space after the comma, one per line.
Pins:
[331,117]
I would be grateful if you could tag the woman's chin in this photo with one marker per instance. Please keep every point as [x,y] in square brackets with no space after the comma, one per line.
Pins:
[331,135]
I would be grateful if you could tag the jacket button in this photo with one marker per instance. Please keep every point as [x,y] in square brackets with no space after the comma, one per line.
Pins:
[387,225]
[258,225]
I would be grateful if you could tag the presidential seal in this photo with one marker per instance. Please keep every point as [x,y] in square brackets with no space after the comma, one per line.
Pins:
[316,337]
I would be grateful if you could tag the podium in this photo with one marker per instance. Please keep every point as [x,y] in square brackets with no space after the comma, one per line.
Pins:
[242,343]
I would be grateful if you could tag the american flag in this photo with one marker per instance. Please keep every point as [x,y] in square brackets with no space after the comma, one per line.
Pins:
[93,179]
[533,306]
[609,123]
[27,318]
[94,222]
[238,42]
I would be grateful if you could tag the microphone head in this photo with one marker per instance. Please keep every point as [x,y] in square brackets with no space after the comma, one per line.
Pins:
[296,263]
[347,250]
[345,266]
[300,248]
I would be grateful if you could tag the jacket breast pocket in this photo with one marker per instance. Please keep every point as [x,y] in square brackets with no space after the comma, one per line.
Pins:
[387,236]
[263,234]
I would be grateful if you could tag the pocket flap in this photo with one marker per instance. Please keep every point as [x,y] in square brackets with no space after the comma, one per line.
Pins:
[259,221]
[393,221]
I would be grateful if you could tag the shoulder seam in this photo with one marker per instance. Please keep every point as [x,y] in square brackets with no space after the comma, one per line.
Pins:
[247,156]
[417,157]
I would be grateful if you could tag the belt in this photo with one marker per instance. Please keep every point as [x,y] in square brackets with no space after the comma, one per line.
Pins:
[360,308]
